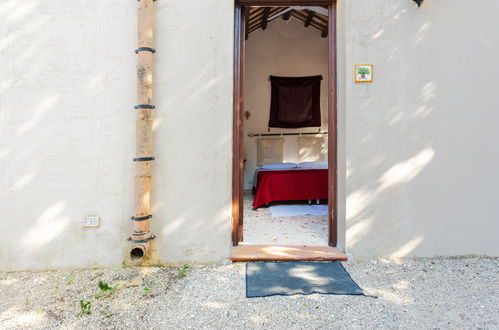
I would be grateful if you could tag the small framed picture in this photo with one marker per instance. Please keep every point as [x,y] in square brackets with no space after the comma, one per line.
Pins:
[363,73]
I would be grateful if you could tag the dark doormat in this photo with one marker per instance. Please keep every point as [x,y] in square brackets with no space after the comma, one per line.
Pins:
[289,278]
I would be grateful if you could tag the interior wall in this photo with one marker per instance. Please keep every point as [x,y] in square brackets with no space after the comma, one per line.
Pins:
[422,146]
[285,48]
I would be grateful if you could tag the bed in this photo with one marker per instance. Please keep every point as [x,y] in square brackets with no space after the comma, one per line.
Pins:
[290,182]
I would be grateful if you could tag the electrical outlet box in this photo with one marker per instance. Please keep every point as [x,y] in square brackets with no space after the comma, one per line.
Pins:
[91,221]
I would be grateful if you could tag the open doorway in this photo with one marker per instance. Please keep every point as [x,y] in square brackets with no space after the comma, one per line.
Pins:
[284,178]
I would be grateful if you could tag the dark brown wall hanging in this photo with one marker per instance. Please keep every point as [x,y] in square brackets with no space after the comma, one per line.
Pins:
[295,102]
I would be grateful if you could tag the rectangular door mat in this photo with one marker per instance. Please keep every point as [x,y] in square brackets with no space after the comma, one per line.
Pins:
[289,278]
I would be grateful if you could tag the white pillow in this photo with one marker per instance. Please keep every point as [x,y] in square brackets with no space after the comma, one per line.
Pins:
[278,166]
[313,165]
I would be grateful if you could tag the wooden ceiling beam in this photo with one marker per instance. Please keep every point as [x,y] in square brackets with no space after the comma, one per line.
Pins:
[324,32]
[285,3]
[321,18]
[265,17]
[246,22]
[254,23]
[279,11]
[255,13]
[255,18]
[276,12]
[253,28]
[310,17]
[302,17]
[258,17]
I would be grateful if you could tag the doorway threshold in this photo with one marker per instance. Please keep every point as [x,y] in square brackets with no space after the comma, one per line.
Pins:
[253,252]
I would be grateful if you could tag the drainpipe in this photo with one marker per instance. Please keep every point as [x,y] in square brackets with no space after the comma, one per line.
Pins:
[141,237]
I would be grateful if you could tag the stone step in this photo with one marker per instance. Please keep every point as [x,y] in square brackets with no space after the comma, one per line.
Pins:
[252,252]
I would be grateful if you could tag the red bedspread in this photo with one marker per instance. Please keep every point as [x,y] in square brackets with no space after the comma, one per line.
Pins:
[290,185]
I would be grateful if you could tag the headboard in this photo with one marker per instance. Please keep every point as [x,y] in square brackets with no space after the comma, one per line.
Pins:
[269,150]
[312,148]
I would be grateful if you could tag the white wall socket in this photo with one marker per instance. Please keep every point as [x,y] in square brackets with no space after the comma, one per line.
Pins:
[91,221]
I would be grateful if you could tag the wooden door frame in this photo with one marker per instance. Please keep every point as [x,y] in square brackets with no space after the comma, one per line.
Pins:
[238,110]
[237,127]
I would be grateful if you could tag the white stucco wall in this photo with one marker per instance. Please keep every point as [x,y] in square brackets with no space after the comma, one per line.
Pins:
[193,135]
[422,141]
[66,125]
[288,49]
[67,131]
[418,148]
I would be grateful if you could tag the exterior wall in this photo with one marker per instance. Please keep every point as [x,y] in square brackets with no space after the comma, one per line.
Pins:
[422,141]
[193,136]
[418,147]
[285,48]
[341,87]
[67,131]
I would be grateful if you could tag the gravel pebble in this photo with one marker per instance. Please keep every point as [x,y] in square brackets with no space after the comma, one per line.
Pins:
[412,293]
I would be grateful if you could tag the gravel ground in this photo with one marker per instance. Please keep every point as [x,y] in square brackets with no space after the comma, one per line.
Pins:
[413,293]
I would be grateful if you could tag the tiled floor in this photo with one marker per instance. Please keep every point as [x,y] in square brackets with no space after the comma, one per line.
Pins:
[261,228]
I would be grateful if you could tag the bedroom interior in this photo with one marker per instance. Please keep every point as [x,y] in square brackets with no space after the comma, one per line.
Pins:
[285,199]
